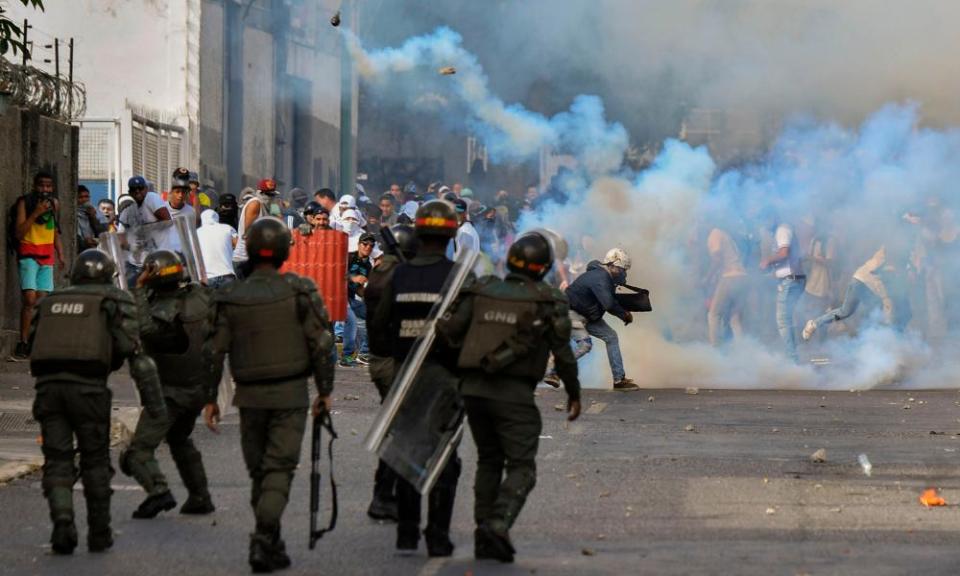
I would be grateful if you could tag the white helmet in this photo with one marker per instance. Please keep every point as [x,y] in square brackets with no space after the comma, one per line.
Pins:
[617,257]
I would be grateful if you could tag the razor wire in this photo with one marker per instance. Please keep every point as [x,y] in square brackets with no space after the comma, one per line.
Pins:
[43,92]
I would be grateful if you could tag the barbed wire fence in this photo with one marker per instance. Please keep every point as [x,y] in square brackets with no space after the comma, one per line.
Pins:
[46,93]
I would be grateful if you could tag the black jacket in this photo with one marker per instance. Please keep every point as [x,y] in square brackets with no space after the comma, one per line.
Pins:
[591,295]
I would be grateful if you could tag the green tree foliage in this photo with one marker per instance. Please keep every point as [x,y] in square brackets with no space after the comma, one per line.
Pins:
[11,36]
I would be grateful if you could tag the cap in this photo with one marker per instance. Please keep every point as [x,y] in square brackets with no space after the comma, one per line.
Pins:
[367,237]
[466,193]
[267,185]
[182,174]
[136,182]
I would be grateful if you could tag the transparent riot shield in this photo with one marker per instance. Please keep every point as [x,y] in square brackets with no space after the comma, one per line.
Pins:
[109,242]
[421,420]
[190,248]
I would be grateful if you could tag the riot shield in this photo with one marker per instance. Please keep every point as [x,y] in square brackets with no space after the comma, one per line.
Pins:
[421,420]
[190,248]
[109,242]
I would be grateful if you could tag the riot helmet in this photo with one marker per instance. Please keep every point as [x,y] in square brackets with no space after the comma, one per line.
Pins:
[530,255]
[406,238]
[180,179]
[268,240]
[166,268]
[436,218]
[93,266]
[312,209]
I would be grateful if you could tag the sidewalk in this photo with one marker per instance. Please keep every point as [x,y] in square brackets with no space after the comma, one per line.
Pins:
[20,434]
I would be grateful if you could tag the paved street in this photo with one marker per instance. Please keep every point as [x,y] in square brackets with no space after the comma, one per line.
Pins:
[652,482]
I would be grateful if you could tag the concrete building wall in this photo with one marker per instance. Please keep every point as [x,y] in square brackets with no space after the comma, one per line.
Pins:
[30,142]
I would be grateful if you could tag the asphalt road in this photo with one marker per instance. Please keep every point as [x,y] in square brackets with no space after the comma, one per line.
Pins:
[651,482]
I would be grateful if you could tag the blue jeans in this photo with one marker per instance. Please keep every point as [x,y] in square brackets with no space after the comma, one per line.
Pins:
[355,329]
[788,294]
[218,281]
[856,293]
[603,331]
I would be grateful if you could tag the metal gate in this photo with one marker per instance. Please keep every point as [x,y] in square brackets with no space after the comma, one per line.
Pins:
[156,150]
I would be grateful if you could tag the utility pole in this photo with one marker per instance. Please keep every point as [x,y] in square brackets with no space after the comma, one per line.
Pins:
[70,83]
[56,67]
[347,145]
[26,27]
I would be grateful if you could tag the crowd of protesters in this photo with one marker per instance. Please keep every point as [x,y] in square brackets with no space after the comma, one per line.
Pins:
[767,277]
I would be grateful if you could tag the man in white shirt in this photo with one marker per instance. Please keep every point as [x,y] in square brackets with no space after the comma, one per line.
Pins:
[216,246]
[177,203]
[141,224]
[790,284]
[467,236]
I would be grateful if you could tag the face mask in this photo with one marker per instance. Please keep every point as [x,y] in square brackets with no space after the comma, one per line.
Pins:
[350,227]
[620,277]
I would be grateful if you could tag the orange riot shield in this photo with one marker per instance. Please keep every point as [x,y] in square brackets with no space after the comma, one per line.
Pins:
[322,257]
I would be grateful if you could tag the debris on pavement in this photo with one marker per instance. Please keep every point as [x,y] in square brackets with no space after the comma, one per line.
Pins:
[819,456]
[559,407]
[930,497]
[865,464]
[588,552]
[692,391]
[771,511]
[689,428]
[650,399]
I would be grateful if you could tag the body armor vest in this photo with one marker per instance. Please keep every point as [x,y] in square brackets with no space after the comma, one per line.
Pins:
[506,333]
[182,365]
[268,343]
[72,335]
[415,290]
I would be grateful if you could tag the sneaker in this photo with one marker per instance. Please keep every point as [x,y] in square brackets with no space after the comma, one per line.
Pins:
[64,538]
[625,385]
[809,329]
[347,362]
[154,505]
[552,380]
[363,359]
[20,353]
[197,505]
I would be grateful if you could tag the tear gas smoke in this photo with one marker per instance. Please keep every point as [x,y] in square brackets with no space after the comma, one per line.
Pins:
[854,185]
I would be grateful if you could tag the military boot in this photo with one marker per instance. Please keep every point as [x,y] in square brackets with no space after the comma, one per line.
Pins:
[99,535]
[440,510]
[384,503]
[190,466]
[155,504]
[278,554]
[64,537]
[493,544]
[408,538]
[261,557]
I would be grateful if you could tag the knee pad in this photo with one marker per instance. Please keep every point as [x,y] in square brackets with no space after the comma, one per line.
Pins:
[96,483]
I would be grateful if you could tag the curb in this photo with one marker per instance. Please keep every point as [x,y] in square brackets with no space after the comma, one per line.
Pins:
[13,470]
[122,425]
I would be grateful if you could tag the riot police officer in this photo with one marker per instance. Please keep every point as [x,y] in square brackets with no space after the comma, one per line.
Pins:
[80,335]
[404,304]
[175,321]
[506,330]
[384,503]
[276,330]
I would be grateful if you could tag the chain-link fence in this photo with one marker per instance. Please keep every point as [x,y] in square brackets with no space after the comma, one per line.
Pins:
[41,91]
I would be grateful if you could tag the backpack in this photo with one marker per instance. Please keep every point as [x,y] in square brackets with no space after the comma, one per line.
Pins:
[12,242]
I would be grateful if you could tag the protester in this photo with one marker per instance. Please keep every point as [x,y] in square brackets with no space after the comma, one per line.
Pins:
[141,226]
[108,214]
[359,265]
[38,245]
[217,242]
[729,275]
[264,202]
[791,281]
[88,223]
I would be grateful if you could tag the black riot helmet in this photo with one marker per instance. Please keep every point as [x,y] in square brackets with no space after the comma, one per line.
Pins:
[268,240]
[406,238]
[530,255]
[93,266]
[312,208]
[166,270]
[436,218]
